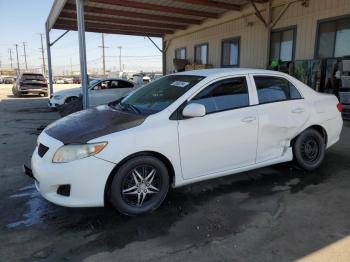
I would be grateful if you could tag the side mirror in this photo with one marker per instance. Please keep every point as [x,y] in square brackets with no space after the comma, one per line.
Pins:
[194,110]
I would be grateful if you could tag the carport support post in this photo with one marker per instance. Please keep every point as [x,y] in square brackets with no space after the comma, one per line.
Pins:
[49,63]
[82,52]
[163,57]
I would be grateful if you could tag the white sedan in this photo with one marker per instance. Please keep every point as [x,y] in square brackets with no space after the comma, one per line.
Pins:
[101,91]
[181,129]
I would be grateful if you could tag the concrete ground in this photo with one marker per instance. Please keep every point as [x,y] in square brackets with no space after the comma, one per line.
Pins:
[279,213]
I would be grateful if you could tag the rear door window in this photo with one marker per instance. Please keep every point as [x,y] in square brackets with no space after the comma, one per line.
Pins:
[274,89]
[125,84]
[224,95]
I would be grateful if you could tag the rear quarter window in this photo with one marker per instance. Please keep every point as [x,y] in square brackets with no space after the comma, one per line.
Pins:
[274,89]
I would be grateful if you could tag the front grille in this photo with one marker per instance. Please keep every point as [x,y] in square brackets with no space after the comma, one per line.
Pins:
[42,149]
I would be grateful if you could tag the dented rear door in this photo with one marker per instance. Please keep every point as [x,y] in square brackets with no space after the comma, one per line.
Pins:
[280,116]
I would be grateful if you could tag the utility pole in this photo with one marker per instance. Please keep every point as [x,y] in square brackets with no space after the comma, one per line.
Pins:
[71,67]
[120,58]
[103,54]
[25,55]
[10,57]
[42,54]
[17,59]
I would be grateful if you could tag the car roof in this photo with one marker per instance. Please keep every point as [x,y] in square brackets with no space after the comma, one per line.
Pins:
[111,78]
[32,74]
[227,71]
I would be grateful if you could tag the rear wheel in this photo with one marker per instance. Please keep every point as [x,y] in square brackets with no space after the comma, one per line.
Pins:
[309,149]
[139,186]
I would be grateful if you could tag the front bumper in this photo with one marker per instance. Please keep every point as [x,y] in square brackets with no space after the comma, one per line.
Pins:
[53,103]
[86,178]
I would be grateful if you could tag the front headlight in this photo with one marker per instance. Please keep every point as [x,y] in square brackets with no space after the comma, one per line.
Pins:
[70,153]
[57,97]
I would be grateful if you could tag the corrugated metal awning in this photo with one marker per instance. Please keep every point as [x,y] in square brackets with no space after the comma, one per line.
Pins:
[139,17]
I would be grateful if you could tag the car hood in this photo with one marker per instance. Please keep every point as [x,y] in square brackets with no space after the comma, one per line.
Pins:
[83,126]
[76,91]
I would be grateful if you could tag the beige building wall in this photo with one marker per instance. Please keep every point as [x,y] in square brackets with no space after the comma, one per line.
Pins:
[253,34]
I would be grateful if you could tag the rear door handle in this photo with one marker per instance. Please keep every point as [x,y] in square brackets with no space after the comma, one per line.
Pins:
[298,110]
[248,119]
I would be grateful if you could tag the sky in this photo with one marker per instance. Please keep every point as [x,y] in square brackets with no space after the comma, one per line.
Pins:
[23,21]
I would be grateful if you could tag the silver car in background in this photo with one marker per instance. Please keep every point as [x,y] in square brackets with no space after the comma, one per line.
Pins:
[101,91]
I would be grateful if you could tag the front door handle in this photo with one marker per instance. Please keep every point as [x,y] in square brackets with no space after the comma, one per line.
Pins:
[248,119]
[298,110]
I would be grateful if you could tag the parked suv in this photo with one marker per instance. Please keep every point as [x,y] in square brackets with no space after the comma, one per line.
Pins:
[30,83]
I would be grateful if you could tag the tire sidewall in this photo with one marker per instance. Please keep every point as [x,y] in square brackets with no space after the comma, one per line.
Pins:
[298,145]
[70,99]
[116,186]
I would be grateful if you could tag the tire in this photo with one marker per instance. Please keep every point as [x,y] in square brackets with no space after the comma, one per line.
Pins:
[126,195]
[70,99]
[309,149]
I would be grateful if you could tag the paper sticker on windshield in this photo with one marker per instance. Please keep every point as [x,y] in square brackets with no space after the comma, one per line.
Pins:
[180,84]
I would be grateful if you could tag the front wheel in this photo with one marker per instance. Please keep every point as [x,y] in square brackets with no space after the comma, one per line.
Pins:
[309,149]
[70,99]
[139,186]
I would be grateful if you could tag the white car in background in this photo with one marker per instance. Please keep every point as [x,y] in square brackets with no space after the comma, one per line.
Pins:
[59,81]
[181,129]
[101,91]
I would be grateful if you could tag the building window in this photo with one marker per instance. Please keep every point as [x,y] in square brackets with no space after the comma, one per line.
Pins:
[230,52]
[180,53]
[201,54]
[333,38]
[282,44]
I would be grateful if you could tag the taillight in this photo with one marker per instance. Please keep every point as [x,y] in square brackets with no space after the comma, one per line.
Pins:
[340,107]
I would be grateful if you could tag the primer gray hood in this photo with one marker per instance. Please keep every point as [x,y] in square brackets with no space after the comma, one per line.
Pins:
[80,127]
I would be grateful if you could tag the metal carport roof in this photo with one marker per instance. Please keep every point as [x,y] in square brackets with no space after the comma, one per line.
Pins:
[151,18]
[139,17]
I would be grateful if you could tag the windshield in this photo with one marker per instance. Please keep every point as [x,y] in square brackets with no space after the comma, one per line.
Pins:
[94,82]
[160,93]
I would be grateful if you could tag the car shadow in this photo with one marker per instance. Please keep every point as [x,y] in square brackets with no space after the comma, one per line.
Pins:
[191,206]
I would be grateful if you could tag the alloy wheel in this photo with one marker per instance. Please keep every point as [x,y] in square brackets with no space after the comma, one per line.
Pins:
[141,185]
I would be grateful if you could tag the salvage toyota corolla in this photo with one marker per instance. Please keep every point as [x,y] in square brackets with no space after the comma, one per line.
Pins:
[181,129]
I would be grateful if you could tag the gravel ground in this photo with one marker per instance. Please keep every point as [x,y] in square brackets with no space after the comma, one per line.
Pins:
[279,213]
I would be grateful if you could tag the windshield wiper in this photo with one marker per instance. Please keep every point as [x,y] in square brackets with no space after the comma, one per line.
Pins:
[130,107]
